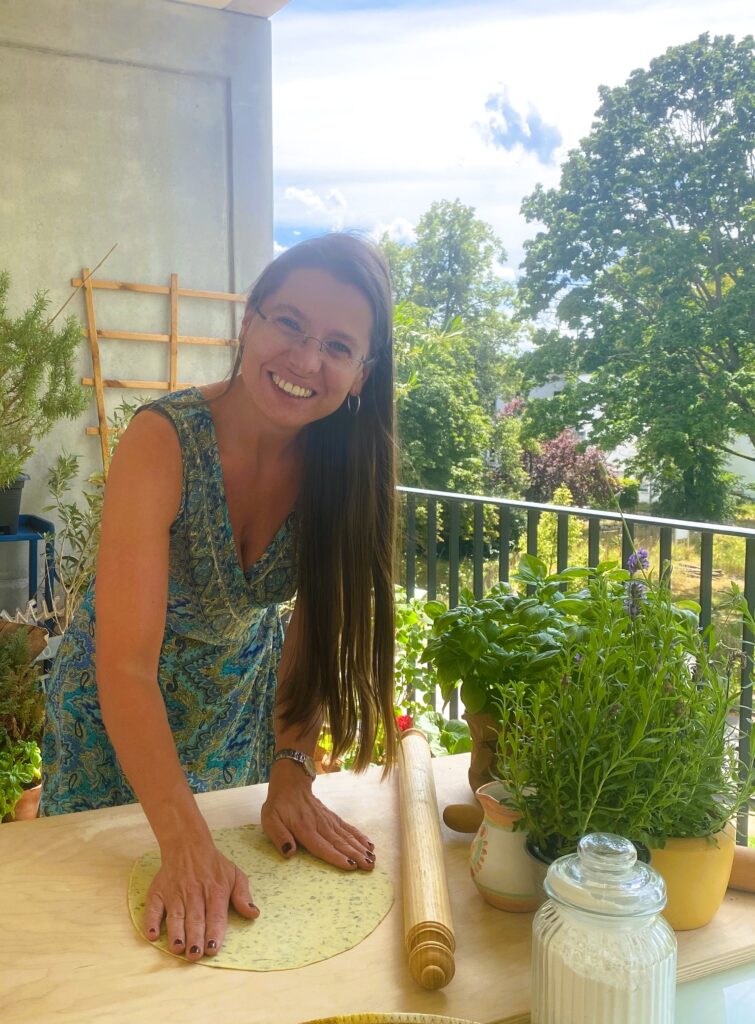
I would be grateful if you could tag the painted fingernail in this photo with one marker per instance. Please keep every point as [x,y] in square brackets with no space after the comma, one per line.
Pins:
[254,906]
[370,857]
[287,847]
[370,846]
[352,862]
[178,942]
[212,944]
[153,931]
[195,949]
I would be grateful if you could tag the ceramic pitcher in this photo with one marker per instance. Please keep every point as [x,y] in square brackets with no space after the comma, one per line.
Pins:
[498,863]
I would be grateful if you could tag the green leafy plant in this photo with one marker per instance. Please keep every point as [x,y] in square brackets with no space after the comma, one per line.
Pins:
[77,537]
[78,534]
[630,732]
[21,698]
[21,719]
[20,768]
[38,383]
[505,637]
[416,682]
[414,688]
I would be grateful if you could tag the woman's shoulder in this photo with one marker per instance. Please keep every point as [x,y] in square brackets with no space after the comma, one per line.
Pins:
[174,404]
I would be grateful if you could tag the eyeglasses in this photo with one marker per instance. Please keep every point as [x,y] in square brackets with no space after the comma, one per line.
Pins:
[337,352]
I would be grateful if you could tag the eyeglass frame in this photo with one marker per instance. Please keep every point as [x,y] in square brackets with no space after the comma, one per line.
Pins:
[353,362]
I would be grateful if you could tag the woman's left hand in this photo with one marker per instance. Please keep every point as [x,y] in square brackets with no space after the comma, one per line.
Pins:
[293,816]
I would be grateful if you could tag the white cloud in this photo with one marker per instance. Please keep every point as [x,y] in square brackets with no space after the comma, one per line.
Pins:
[324,212]
[399,230]
[379,107]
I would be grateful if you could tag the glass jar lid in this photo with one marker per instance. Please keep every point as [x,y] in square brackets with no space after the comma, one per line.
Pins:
[604,877]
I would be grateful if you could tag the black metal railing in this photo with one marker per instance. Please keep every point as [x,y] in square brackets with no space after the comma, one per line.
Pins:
[493,525]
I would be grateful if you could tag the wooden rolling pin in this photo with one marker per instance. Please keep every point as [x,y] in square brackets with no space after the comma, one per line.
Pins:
[743,869]
[428,927]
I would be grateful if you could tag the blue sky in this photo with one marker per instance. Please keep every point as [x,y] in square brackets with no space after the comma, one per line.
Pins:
[381,107]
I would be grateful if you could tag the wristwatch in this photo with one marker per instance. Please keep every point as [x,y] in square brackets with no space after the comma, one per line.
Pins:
[306,762]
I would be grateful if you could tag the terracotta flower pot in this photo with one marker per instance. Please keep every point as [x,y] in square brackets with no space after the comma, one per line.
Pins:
[27,806]
[696,873]
[483,729]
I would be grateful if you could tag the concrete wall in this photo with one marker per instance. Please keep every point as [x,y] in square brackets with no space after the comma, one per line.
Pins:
[141,122]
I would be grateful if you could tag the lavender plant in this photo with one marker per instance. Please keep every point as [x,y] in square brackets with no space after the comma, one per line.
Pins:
[634,737]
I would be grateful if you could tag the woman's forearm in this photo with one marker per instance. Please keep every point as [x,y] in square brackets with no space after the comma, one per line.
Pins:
[136,721]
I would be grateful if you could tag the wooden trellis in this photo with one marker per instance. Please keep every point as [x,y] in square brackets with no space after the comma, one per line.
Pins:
[173,339]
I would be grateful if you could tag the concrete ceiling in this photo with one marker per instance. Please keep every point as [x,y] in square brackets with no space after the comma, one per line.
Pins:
[258,8]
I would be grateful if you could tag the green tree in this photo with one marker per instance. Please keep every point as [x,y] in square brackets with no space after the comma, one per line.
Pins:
[453,272]
[443,430]
[647,259]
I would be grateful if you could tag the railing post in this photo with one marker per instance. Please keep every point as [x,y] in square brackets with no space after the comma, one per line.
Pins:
[477,585]
[432,549]
[533,518]
[411,544]
[664,556]
[504,541]
[562,541]
[706,578]
[745,702]
[453,557]
[593,543]
[627,542]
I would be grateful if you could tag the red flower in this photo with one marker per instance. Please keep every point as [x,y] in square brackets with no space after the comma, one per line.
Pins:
[404,722]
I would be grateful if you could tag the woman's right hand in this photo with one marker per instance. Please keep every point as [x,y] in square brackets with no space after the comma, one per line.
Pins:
[192,890]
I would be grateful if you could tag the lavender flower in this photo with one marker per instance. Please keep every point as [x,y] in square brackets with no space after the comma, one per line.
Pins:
[638,560]
[636,591]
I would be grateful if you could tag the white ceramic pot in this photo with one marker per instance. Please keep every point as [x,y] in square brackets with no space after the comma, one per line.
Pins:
[498,863]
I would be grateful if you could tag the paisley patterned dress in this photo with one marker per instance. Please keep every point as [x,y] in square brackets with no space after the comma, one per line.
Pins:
[219,654]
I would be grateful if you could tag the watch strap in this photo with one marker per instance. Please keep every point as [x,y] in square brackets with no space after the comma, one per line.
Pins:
[302,759]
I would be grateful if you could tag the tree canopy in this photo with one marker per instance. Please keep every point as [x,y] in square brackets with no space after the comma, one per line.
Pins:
[453,272]
[647,259]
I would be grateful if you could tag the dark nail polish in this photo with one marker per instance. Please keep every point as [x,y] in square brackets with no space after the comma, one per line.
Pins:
[254,906]
[178,942]
[370,857]
[153,931]
[352,862]
[212,944]
[195,949]
[370,846]
[287,848]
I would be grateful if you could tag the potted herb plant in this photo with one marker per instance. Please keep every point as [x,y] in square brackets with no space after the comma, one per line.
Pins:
[630,733]
[504,638]
[21,720]
[37,387]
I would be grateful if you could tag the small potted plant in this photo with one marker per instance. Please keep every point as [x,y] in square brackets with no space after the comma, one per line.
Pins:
[630,735]
[21,720]
[37,387]
[503,638]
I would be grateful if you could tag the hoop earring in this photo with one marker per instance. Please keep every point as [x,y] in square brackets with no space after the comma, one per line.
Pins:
[353,409]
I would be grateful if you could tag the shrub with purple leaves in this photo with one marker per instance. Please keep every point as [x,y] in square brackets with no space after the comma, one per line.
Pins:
[563,461]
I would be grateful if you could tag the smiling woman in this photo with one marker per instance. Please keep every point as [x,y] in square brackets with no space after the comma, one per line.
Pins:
[222,502]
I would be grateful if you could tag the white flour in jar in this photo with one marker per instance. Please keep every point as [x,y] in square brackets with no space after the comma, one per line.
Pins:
[586,977]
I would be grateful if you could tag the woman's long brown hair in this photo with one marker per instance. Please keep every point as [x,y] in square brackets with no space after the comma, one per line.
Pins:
[344,655]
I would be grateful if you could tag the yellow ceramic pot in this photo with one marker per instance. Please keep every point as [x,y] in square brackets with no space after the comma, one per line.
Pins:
[696,873]
[390,1018]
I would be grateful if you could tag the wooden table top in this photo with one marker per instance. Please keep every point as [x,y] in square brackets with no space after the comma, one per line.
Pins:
[73,955]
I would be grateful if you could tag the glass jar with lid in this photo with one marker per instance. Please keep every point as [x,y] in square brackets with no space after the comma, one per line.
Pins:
[601,952]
